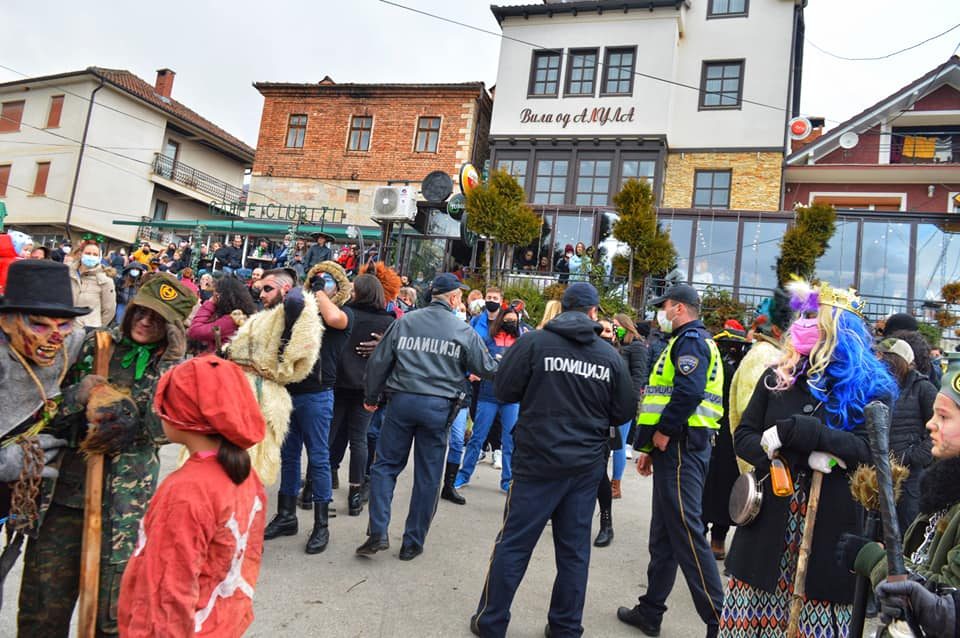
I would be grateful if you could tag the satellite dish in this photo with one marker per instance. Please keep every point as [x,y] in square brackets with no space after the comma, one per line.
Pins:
[436,187]
[849,139]
[800,128]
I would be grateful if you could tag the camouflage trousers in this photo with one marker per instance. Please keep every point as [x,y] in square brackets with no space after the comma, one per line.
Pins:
[51,579]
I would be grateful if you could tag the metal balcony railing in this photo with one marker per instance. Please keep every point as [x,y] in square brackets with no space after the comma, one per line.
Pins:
[192,178]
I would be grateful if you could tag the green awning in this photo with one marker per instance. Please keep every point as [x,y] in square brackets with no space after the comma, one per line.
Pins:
[244,227]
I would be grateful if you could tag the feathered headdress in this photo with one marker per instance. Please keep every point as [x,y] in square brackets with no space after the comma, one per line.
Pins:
[388,277]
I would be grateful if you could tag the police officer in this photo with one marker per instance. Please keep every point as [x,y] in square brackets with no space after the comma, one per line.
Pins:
[574,390]
[678,421]
[420,365]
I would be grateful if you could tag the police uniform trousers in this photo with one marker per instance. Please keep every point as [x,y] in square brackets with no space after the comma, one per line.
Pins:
[677,534]
[567,502]
[409,420]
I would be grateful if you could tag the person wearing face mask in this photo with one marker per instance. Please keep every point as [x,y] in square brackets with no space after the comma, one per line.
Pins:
[677,425]
[503,333]
[563,264]
[92,287]
[493,300]
[807,413]
[130,282]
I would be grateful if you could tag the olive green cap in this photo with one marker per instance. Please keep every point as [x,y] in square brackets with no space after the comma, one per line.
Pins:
[950,384]
[165,295]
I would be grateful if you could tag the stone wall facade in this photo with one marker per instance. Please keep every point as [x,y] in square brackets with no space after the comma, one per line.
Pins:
[755,178]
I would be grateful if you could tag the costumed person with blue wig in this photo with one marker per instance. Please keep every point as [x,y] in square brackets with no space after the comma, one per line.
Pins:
[808,413]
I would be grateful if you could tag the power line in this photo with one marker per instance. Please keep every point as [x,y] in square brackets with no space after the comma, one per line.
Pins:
[552,49]
[98,210]
[886,56]
[87,99]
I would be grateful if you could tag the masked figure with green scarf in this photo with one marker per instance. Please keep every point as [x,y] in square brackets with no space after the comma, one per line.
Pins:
[128,434]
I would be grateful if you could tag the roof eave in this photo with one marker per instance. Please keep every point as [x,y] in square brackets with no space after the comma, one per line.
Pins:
[831,141]
[574,8]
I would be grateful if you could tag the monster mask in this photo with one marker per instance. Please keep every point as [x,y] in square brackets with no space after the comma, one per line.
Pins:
[39,339]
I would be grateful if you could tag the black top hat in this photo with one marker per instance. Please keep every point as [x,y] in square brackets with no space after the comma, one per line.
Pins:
[40,287]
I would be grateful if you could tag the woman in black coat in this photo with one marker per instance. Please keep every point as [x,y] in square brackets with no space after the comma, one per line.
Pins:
[349,416]
[808,412]
[909,439]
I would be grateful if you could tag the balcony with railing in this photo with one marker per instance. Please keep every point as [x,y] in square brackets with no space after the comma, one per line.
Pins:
[206,186]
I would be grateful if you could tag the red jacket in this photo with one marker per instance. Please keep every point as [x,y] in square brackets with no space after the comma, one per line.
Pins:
[201,328]
[197,559]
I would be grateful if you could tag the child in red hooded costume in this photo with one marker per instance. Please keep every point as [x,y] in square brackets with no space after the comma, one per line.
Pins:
[198,555]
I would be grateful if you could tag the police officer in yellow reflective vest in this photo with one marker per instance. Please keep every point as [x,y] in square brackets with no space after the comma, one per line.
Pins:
[678,420]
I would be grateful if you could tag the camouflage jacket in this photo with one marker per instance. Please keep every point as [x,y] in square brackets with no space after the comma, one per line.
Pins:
[130,476]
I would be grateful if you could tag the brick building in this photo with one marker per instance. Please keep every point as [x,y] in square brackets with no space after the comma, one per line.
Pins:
[329,144]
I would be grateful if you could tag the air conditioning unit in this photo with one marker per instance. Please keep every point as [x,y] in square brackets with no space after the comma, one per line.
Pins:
[394,204]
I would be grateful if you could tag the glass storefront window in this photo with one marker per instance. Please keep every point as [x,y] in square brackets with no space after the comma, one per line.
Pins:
[885,259]
[938,261]
[680,231]
[715,255]
[425,258]
[758,253]
[572,229]
[838,264]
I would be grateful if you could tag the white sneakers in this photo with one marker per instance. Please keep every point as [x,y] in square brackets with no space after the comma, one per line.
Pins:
[497,460]
[629,450]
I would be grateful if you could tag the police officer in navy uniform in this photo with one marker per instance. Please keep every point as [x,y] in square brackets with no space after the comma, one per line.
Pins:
[419,367]
[574,390]
[678,421]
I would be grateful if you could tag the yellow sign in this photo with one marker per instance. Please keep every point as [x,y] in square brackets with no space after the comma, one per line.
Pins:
[469,178]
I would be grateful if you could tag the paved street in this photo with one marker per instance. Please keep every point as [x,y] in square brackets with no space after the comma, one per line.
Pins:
[337,594]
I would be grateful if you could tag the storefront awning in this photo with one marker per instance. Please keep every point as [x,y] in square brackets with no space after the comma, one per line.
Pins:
[244,227]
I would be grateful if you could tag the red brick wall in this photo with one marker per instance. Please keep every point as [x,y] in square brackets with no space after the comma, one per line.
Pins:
[917,195]
[391,154]
[946,98]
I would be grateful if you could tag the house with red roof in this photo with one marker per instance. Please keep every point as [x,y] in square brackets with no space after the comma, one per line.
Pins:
[101,151]
[893,170]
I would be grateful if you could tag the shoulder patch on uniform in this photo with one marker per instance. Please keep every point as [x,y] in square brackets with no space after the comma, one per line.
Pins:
[687,364]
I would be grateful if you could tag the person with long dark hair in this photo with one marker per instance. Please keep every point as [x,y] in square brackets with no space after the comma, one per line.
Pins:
[209,514]
[370,316]
[503,333]
[225,312]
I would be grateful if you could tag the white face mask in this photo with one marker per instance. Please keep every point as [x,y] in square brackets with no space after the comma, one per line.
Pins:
[461,315]
[666,326]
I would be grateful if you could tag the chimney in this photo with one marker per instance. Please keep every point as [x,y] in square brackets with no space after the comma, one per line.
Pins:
[164,85]
[816,131]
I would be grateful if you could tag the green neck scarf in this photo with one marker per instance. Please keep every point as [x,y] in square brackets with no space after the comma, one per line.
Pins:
[140,353]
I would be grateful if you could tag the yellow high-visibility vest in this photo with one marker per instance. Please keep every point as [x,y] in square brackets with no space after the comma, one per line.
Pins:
[657,395]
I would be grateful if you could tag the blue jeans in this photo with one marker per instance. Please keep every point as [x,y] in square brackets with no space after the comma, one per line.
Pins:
[457,430]
[568,503]
[486,412]
[620,456]
[310,426]
[409,418]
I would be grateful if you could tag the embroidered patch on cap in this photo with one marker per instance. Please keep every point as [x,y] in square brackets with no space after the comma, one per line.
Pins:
[956,383]
[168,293]
[687,364]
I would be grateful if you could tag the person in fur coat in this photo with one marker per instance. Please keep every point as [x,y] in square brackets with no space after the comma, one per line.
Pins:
[277,347]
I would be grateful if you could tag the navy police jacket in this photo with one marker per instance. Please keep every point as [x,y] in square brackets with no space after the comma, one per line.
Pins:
[572,388]
[426,352]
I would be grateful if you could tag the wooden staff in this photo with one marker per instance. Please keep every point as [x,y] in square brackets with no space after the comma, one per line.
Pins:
[800,578]
[93,514]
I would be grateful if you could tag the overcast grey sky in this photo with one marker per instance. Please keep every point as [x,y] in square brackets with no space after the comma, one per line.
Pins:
[219,48]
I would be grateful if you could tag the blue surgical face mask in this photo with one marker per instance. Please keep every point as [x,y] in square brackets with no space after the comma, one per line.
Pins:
[461,315]
[134,273]
[89,261]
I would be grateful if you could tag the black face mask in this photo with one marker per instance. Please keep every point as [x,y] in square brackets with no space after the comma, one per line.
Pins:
[510,327]
[492,306]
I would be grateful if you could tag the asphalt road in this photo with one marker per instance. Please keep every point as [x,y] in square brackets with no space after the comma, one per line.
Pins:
[337,594]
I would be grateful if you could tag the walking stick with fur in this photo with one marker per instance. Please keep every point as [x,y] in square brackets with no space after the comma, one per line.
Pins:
[877,417]
[800,578]
[93,514]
